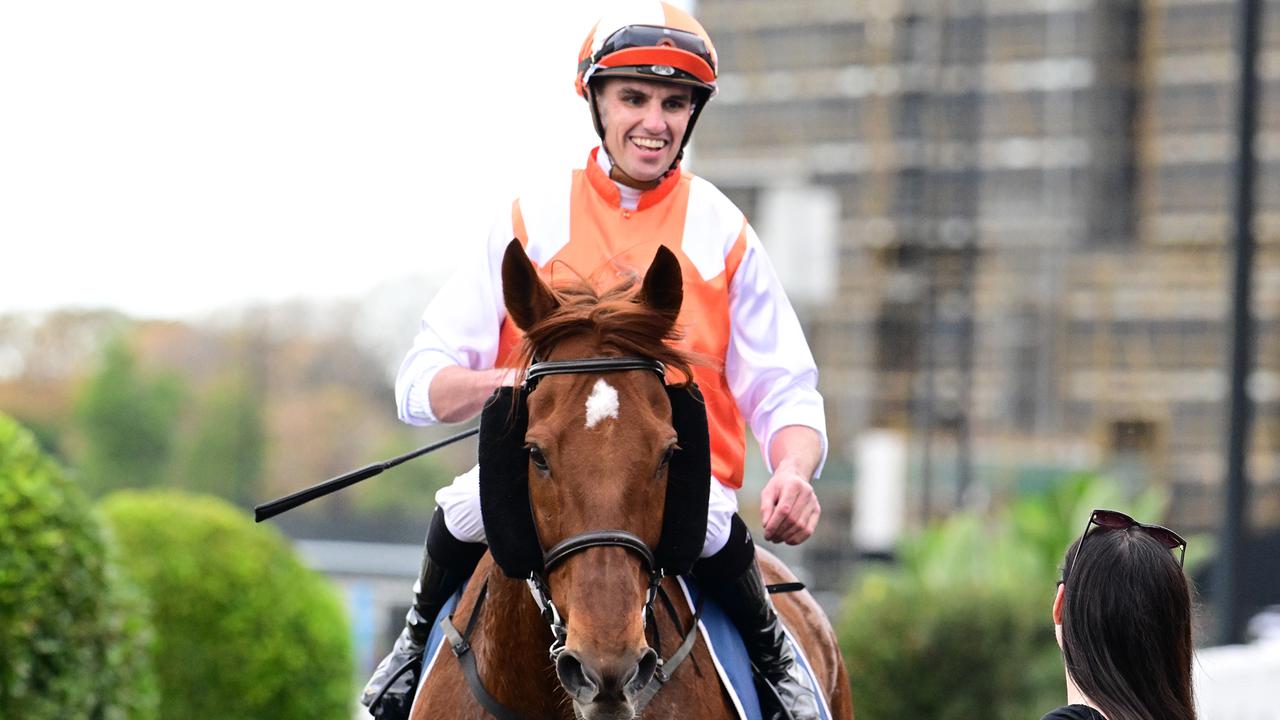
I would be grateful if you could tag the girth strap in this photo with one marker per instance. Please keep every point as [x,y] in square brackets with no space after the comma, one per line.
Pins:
[784,587]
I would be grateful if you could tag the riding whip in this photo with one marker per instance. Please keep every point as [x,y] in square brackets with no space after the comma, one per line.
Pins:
[289,502]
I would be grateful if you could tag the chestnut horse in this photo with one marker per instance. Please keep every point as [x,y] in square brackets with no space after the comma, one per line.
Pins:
[586,476]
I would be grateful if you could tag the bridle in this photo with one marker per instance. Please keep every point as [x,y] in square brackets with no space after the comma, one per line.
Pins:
[538,582]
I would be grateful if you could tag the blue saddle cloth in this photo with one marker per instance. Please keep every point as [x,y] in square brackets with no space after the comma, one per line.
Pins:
[727,651]
[730,655]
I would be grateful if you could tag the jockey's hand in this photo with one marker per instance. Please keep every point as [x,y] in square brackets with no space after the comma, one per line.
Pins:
[789,508]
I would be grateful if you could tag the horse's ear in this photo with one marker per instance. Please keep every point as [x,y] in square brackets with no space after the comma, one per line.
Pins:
[528,299]
[663,288]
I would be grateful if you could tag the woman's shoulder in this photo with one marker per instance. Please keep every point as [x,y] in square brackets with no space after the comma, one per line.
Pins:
[1074,712]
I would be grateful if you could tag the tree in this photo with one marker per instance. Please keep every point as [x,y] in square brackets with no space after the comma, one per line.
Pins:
[226,451]
[74,634]
[964,621]
[243,629]
[128,422]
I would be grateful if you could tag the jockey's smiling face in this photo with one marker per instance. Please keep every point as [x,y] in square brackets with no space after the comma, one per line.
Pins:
[644,123]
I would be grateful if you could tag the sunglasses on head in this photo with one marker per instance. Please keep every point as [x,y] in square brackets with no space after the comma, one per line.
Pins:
[1114,520]
[638,45]
[655,36]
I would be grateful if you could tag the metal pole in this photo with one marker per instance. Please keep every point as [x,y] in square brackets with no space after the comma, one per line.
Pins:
[930,392]
[1234,533]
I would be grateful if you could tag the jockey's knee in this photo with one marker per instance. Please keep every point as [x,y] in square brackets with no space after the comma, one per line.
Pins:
[722,507]
[733,557]
[719,529]
[460,503]
[448,550]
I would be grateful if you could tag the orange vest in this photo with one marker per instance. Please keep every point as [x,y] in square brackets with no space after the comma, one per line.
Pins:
[608,243]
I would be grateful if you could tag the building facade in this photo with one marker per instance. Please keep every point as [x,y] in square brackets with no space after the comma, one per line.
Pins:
[1025,265]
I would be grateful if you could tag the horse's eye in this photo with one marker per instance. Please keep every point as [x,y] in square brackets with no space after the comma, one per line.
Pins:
[666,457]
[539,460]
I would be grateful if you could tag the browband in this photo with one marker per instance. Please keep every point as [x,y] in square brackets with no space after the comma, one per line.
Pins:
[540,370]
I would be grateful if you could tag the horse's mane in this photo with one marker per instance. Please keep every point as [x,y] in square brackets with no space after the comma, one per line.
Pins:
[614,319]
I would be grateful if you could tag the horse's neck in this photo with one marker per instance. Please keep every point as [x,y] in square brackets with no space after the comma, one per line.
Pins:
[512,652]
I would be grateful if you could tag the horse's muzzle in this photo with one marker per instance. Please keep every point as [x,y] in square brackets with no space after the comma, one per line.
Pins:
[605,691]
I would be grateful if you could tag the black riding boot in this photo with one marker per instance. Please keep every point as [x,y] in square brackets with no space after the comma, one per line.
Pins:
[446,563]
[733,579]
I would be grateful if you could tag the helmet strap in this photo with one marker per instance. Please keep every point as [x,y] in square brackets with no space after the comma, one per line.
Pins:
[700,99]
[618,175]
[595,115]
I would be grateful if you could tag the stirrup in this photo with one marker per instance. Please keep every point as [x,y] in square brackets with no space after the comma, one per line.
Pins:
[408,666]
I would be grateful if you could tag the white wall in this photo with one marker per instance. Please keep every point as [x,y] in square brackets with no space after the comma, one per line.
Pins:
[1238,682]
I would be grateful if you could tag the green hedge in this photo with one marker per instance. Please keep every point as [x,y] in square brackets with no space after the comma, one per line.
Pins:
[243,630]
[73,635]
[961,626]
[968,652]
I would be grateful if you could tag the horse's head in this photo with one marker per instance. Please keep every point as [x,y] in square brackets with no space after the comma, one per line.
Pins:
[599,445]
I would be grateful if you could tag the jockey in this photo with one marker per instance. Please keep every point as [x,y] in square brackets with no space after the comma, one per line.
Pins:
[645,78]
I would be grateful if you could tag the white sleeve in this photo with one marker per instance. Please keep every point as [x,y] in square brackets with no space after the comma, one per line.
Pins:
[769,366]
[460,326]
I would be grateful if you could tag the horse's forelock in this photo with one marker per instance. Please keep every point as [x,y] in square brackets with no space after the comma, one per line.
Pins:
[613,320]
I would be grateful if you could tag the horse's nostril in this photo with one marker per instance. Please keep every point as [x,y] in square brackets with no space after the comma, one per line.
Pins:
[643,673]
[578,680]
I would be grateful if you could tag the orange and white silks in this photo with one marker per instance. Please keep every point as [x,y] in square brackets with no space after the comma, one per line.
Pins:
[585,226]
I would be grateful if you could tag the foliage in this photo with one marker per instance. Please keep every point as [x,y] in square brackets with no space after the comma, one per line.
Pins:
[141,403]
[128,422]
[74,634]
[963,623]
[243,630]
[225,454]
[48,435]
[971,652]
[1021,545]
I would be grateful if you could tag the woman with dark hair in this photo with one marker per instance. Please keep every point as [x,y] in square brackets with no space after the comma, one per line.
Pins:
[1123,621]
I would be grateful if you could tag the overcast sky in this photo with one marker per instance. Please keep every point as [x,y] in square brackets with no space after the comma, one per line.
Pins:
[168,157]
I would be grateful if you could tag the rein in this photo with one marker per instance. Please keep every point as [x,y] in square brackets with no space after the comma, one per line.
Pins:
[538,583]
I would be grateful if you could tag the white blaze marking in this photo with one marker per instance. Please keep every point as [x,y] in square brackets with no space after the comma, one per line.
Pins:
[601,403]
